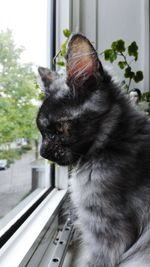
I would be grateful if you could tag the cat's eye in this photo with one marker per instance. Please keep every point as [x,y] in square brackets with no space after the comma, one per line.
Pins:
[59,127]
[63,128]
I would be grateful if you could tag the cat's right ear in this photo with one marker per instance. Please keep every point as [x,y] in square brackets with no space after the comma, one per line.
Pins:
[46,77]
[83,66]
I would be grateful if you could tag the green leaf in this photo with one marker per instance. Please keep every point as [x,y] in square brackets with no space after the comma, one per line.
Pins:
[110,55]
[66,33]
[128,73]
[118,46]
[113,45]
[60,63]
[133,50]
[122,64]
[146,97]
[138,76]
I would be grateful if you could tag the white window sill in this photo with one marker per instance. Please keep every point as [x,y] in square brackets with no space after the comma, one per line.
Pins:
[19,210]
[13,252]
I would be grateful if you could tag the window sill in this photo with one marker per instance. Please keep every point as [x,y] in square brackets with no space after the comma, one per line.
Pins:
[13,252]
[19,210]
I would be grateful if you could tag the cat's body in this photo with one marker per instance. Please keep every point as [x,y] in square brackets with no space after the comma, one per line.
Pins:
[86,121]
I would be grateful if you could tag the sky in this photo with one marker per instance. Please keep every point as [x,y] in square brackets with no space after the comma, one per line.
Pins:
[28,21]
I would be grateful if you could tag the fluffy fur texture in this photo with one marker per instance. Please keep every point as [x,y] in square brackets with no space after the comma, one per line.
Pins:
[86,121]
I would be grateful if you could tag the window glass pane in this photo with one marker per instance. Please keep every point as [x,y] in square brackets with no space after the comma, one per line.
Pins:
[23,46]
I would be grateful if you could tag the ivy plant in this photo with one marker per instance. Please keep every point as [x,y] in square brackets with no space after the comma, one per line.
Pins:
[60,57]
[126,55]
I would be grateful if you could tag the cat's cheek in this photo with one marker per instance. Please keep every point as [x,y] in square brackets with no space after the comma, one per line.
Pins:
[66,159]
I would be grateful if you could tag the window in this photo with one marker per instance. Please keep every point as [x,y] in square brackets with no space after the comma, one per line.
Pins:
[30,186]
[24,177]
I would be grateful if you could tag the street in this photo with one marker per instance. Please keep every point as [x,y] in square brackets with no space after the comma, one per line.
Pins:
[15,183]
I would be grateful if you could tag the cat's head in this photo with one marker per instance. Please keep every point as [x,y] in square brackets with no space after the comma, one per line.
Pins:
[74,104]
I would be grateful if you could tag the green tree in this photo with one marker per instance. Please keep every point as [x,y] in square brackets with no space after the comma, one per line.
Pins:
[17,91]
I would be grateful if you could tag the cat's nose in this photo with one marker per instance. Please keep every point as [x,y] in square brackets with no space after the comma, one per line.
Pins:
[43,153]
[59,153]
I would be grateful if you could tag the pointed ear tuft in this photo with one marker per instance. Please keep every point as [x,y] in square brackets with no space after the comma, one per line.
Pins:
[46,78]
[46,75]
[82,60]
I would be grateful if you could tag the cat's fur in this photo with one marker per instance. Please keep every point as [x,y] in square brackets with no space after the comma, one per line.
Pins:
[86,121]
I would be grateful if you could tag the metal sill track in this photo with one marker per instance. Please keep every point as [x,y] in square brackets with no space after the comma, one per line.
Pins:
[62,245]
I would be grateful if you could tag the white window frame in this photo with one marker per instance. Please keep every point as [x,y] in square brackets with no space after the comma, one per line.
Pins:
[14,251]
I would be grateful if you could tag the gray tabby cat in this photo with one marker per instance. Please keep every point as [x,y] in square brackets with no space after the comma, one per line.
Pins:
[86,121]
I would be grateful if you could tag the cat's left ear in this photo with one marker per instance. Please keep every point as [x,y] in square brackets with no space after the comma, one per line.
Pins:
[46,78]
[82,61]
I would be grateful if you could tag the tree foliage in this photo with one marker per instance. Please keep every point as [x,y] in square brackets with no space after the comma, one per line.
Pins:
[17,91]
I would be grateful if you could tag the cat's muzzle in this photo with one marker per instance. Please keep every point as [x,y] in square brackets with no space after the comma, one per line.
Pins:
[55,153]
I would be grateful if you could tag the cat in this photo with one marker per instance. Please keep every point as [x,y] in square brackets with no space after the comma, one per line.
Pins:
[87,122]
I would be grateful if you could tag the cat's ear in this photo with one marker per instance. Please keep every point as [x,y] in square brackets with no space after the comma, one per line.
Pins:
[46,78]
[82,61]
